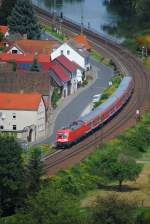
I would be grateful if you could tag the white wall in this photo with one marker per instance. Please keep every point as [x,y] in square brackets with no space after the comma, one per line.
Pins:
[40,120]
[24,119]
[15,48]
[73,56]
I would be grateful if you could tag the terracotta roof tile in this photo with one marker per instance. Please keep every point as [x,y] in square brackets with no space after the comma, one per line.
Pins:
[26,81]
[69,65]
[39,46]
[82,40]
[19,101]
[60,72]
[24,57]
[3,29]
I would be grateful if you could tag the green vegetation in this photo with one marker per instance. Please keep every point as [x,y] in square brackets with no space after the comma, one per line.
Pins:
[55,97]
[106,61]
[11,175]
[108,164]
[113,210]
[35,65]
[53,33]
[5,10]
[110,90]
[23,21]
[1,36]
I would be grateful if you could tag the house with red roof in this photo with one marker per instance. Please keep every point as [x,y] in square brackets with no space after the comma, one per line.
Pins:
[82,39]
[24,114]
[25,61]
[4,30]
[60,78]
[24,46]
[75,52]
[71,68]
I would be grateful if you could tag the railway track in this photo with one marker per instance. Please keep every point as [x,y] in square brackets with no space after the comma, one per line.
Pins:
[128,64]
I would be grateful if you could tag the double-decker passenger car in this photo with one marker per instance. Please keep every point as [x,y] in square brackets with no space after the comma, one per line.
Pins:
[76,130]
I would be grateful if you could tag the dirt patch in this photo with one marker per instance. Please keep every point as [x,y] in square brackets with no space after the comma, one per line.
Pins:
[138,190]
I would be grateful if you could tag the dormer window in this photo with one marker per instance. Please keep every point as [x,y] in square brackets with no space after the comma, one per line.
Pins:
[14,51]
[68,52]
[61,52]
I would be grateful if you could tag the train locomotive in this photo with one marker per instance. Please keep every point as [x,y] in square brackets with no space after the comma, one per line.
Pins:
[67,136]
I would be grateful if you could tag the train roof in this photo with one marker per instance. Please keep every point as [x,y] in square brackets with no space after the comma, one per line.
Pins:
[119,91]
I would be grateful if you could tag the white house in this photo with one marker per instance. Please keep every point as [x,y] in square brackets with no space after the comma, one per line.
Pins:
[4,30]
[74,52]
[23,113]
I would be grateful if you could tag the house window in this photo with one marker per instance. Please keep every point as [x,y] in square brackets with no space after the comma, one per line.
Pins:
[1,127]
[68,52]
[14,115]
[61,51]
[14,51]
[14,127]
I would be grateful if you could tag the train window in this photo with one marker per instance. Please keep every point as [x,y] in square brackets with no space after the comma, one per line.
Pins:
[63,135]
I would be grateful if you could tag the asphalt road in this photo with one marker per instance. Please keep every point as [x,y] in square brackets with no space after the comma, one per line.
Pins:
[75,108]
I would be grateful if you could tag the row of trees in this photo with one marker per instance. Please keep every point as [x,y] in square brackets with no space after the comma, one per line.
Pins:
[139,8]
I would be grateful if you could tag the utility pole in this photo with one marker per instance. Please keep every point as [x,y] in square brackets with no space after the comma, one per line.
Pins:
[54,15]
[82,18]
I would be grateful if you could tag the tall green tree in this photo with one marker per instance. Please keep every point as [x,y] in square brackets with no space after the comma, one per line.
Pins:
[5,10]
[116,166]
[35,65]
[23,20]
[112,210]
[11,175]
[34,171]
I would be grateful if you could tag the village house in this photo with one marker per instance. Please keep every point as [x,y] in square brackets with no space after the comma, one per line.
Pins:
[24,46]
[25,61]
[74,71]
[60,78]
[4,30]
[24,114]
[75,52]
[81,38]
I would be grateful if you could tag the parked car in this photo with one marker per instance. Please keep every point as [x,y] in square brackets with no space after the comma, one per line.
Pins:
[96,98]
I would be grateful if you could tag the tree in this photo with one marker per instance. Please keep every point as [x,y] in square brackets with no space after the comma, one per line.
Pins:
[34,171]
[11,175]
[112,210]
[23,21]
[116,166]
[35,65]
[5,10]
[50,206]
[1,36]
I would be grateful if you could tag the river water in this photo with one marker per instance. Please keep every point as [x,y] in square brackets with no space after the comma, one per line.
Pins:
[93,12]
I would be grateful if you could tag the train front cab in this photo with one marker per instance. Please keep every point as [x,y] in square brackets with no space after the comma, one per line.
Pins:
[62,138]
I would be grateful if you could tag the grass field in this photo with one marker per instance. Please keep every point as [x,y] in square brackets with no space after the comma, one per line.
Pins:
[138,190]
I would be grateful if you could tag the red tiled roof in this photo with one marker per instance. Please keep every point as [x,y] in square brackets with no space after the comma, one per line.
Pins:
[39,46]
[19,101]
[3,29]
[82,40]
[24,57]
[69,65]
[60,72]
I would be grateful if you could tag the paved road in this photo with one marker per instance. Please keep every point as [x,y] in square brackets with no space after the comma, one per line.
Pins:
[75,108]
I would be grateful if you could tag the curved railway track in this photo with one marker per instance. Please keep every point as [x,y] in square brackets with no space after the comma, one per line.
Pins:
[128,64]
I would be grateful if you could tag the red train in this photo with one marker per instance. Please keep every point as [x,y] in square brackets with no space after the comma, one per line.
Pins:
[80,128]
